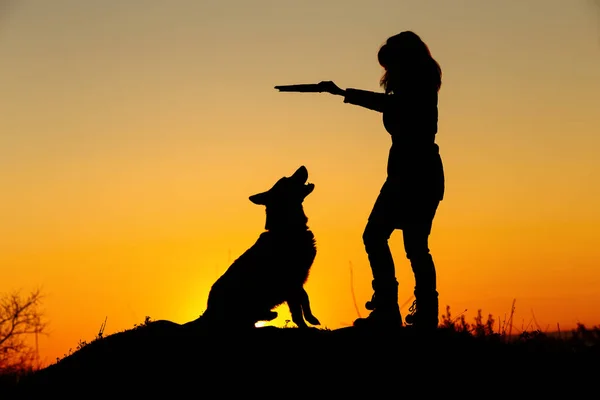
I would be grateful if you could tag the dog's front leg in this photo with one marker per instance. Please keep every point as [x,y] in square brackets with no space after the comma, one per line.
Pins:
[306,311]
[295,306]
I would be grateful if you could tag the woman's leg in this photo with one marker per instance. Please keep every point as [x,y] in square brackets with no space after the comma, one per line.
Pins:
[375,238]
[384,304]
[425,310]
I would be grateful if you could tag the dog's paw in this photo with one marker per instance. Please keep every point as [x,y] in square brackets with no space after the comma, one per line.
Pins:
[312,320]
[271,315]
[267,316]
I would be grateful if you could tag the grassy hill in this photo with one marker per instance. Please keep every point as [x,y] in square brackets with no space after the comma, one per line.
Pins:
[163,358]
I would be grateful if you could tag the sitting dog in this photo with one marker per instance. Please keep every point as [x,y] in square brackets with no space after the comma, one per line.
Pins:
[273,271]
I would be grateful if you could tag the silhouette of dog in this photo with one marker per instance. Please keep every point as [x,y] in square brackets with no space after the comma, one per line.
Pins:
[273,271]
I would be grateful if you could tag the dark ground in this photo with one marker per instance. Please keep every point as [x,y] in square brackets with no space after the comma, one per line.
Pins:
[166,359]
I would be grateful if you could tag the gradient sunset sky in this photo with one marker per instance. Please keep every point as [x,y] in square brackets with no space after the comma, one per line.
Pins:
[132,133]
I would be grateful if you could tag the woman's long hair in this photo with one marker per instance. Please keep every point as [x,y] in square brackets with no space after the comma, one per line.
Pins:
[408,64]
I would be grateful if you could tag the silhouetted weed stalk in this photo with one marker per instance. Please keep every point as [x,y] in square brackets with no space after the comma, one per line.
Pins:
[100,335]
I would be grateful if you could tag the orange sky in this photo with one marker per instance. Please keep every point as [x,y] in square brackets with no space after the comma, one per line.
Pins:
[133,132]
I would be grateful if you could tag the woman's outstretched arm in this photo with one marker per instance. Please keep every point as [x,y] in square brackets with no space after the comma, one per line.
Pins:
[364,98]
[367,99]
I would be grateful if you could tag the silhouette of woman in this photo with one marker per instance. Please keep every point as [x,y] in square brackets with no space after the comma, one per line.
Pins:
[415,183]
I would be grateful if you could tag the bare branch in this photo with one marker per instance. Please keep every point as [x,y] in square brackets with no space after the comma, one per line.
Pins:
[20,318]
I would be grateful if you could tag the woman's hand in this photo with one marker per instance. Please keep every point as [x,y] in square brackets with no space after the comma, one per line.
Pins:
[330,87]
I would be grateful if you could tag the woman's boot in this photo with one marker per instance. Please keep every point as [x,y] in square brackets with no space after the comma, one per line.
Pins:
[385,312]
[424,312]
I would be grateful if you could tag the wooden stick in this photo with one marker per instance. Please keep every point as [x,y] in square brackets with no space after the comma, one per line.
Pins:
[305,88]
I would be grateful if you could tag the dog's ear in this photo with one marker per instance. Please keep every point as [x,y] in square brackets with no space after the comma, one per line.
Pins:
[308,188]
[301,174]
[260,198]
